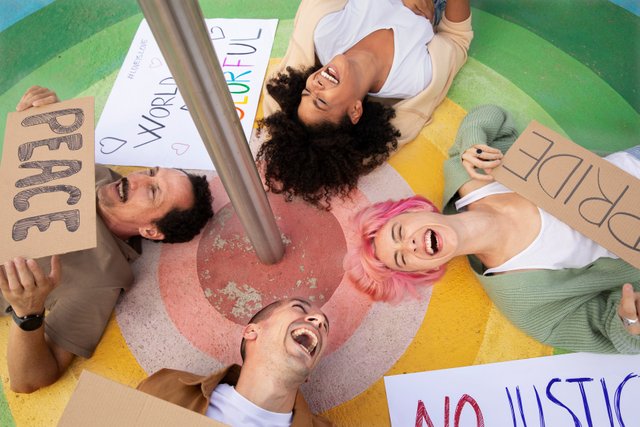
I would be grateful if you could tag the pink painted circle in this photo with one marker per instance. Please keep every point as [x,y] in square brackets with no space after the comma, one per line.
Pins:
[311,266]
[175,298]
[228,277]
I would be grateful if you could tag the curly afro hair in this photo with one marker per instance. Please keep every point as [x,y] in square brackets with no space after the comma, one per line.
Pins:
[181,226]
[319,162]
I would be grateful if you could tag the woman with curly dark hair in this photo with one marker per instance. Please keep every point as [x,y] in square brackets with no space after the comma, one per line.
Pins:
[322,128]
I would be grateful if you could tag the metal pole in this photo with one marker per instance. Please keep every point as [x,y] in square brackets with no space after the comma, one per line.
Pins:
[179,28]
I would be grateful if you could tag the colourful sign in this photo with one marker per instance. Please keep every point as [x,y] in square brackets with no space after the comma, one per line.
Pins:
[145,121]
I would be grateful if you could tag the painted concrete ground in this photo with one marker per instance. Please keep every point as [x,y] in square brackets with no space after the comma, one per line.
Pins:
[572,65]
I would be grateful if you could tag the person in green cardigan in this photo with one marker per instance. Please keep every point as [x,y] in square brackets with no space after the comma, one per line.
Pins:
[554,283]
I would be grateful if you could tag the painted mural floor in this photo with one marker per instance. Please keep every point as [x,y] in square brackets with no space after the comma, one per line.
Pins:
[542,60]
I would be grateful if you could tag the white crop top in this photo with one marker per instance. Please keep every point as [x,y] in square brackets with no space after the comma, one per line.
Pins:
[557,245]
[410,72]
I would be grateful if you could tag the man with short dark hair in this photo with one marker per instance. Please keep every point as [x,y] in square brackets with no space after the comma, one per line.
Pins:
[281,345]
[160,204]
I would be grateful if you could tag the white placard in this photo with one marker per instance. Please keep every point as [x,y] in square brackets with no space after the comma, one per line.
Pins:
[569,390]
[145,121]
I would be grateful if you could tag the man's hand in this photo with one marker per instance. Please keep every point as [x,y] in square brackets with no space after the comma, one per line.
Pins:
[629,309]
[25,286]
[421,7]
[481,157]
[37,96]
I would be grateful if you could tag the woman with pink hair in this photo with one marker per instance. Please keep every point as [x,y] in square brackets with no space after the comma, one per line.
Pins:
[556,284]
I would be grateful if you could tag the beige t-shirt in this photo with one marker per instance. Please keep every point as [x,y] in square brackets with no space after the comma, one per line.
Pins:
[92,279]
[448,50]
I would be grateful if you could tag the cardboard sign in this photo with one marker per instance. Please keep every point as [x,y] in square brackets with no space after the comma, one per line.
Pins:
[99,402]
[47,181]
[145,121]
[576,186]
[569,390]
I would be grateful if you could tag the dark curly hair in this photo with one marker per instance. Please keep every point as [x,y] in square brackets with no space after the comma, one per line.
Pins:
[180,226]
[319,162]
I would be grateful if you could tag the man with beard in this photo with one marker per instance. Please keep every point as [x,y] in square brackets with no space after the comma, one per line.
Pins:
[80,289]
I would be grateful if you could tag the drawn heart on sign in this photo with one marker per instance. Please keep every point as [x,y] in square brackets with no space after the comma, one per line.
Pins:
[110,145]
[180,148]
[155,63]
[216,33]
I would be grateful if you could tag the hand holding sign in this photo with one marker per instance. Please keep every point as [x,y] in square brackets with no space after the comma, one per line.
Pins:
[25,286]
[481,157]
[47,181]
[629,309]
[37,96]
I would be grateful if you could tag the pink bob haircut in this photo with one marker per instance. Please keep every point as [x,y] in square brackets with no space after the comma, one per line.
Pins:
[365,270]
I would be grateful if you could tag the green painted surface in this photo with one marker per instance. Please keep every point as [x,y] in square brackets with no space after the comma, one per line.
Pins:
[40,37]
[597,33]
[6,419]
[73,70]
[26,49]
[283,9]
[477,84]
[591,112]
[281,40]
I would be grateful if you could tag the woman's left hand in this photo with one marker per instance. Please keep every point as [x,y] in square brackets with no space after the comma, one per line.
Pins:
[481,157]
[421,7]
[629,309]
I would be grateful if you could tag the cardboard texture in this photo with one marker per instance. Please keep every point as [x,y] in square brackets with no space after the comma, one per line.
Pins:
[576,186]
[47,181]
[99,402]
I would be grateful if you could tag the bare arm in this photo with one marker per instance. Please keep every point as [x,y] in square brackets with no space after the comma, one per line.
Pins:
[33,360]
[457,10]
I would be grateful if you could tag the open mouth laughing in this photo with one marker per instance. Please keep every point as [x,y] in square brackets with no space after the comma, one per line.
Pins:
[122,188]
[431,243]
[306,339]
[330,74]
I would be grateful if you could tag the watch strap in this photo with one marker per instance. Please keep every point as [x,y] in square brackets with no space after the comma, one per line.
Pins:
[30,322]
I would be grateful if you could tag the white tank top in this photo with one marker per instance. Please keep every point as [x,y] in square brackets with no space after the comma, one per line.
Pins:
[410,72]
[557,245]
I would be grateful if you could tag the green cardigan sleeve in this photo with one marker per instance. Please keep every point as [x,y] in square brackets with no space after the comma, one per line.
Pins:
[487,124]
[575,309]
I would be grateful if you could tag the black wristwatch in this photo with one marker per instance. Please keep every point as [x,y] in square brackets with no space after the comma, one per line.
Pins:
[30,322]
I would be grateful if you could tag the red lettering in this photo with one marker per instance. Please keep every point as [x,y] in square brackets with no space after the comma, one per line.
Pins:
[474,405]
[237,64]
[422,415]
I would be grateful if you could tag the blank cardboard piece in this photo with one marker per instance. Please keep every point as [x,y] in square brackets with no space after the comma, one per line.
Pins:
[99,402]
[576,186]
[47,181]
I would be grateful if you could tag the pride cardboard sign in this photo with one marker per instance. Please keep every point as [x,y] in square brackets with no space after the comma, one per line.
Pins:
[576,186]
[47,181]
[145,121]
[570,390]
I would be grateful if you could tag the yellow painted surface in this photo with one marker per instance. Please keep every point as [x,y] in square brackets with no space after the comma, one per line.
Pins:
[112,359]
